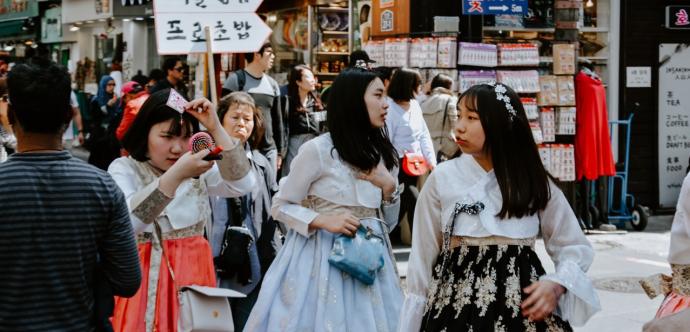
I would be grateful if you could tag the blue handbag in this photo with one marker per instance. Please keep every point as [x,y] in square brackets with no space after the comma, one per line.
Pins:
[360,256]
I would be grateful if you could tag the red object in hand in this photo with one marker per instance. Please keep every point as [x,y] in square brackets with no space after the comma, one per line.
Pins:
[203,140]
[414,164]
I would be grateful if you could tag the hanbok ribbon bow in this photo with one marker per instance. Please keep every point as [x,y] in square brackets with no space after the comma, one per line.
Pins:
[471,209]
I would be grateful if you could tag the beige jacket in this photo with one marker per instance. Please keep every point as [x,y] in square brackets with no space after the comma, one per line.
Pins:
[433,111]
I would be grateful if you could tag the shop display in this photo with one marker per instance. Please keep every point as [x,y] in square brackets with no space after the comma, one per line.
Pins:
[330,41]
[477,54]
[548,94]
[523,81]
[423,52]
[468,78]
[376,51]
[333,21]
[447,52]
[536,132]
[531,108]
[334,45]
[559,160]
[566,91]
[524,54]
[396,52]
[547,121]
[565,120]
[563,59]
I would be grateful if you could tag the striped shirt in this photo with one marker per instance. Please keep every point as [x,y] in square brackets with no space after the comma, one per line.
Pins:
[56,214]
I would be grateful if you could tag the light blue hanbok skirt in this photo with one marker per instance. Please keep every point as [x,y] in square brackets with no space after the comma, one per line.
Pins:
[303,292]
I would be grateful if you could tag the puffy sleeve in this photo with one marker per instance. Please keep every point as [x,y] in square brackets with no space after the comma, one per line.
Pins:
[427,239]
[126,178]
[572,255]
[304,170]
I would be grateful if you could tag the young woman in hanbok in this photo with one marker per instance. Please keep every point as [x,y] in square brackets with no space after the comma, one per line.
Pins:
[335,179]
[676,288]
[473,265]
[166,184]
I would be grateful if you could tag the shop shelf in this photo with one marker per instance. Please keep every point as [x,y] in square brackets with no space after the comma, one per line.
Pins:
[332,53]
[326,74]
[336,33]
[333,9]
[585,29]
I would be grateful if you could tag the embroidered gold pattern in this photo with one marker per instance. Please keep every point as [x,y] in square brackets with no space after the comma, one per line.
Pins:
[151,207]
[681,279]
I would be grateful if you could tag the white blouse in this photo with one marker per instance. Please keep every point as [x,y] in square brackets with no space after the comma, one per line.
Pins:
[408,131]
[318,170]
[679,252]
[138,180]
[464,180]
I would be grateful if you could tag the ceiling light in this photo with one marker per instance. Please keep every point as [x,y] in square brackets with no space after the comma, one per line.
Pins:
[73,28]
[589,3]
[138,18]
[126,19]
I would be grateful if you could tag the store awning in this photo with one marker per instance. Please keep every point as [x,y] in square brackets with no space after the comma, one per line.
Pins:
[11,28]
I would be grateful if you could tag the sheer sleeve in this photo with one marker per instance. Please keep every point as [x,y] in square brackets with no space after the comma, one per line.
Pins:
[427,239]
[572,255]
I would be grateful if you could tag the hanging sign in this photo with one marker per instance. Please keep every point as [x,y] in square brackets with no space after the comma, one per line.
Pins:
[678,17]
[494,7]
[235,28]
[673,119]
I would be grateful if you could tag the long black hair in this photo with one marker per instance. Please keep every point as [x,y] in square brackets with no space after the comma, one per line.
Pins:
[521,176]
[154,111]
[294,76]
[357,142]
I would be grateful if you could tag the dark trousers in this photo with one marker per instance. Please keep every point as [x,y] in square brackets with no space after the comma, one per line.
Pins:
[408,198]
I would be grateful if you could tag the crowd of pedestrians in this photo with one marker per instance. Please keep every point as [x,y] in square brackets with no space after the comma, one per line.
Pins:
[107,246]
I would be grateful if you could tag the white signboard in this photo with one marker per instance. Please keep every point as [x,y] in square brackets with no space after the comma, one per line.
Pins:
[674,120]
[205,6]
[638,77]
[235,28]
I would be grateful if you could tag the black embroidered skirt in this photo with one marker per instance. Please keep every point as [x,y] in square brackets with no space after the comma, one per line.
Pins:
[481,291]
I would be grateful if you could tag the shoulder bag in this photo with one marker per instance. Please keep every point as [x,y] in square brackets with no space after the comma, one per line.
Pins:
[201,308]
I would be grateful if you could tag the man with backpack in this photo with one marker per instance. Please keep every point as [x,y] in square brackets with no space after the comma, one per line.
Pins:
[266,93]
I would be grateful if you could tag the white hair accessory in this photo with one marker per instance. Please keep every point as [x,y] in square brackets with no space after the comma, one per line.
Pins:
[500,90]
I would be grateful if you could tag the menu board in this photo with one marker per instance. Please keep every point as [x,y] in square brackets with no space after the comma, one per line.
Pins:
[674,120]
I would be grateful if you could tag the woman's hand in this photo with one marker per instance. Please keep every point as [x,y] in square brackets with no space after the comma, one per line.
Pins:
[188,166]
[112,101]
[204,111]
[542,300]
[342,223]
[380,177]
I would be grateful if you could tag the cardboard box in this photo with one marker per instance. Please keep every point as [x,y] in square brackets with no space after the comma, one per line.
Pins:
[563,59]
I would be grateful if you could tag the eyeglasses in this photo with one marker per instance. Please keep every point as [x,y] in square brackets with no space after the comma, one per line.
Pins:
[180,69]
[110,84]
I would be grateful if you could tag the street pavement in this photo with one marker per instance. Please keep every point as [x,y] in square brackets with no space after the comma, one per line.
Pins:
[620,261]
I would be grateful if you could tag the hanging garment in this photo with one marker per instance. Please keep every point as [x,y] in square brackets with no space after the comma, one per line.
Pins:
[593,156]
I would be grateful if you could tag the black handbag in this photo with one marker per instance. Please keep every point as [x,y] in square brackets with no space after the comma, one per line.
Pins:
[233,260]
